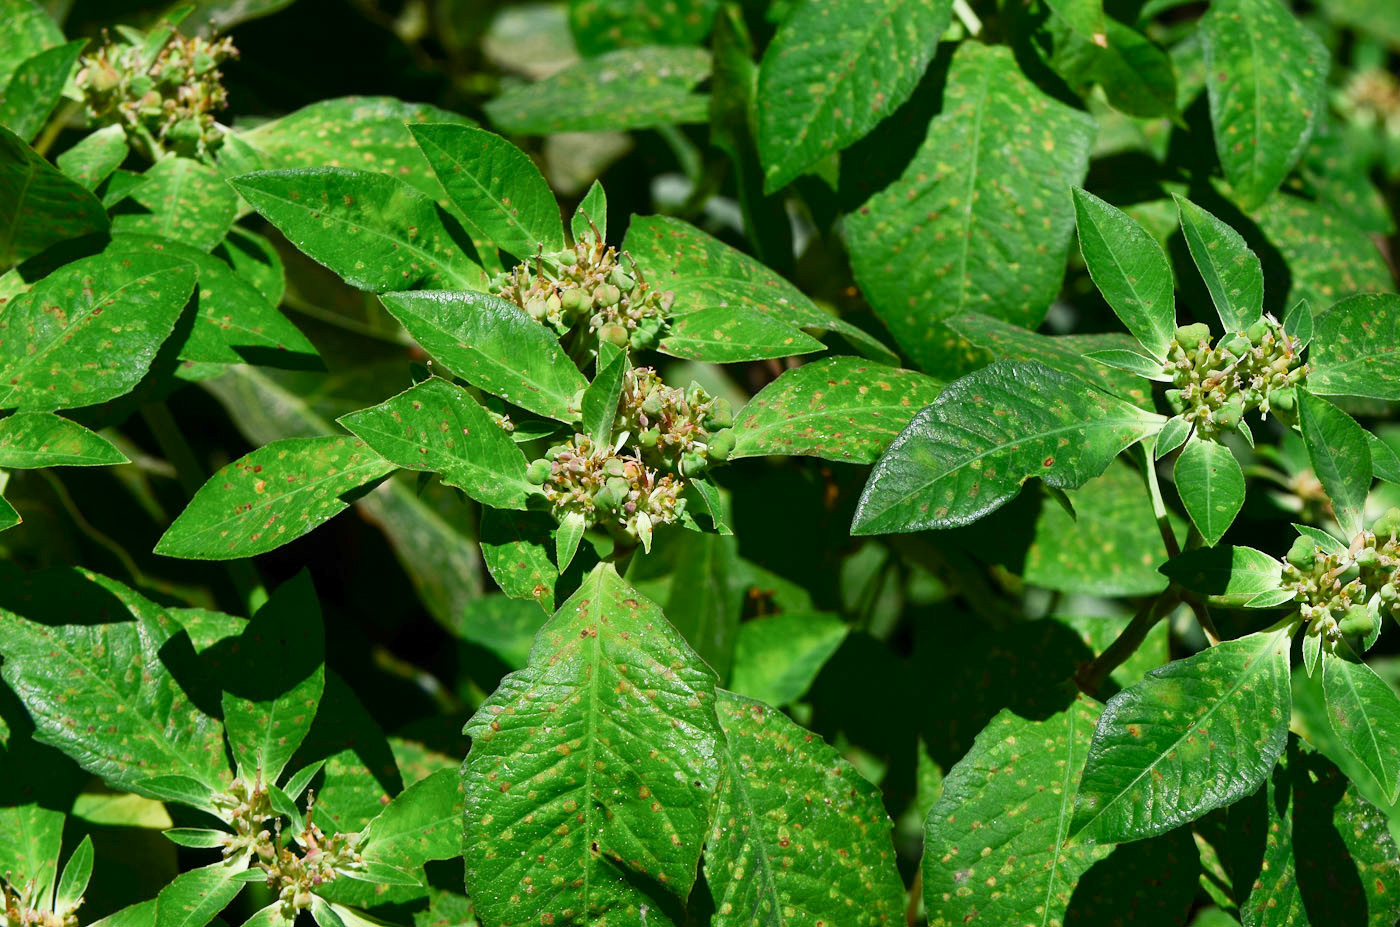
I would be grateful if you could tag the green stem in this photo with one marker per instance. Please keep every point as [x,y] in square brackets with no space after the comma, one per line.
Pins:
[687,155]
[969,19]
[54,127]
[1159,508]
[1092,676]
[311,310]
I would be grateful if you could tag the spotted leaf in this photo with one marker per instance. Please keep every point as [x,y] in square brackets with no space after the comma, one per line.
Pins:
[39,206]
[182,200]
[1356,348]
[29,440]
[730,334]
[1365,715]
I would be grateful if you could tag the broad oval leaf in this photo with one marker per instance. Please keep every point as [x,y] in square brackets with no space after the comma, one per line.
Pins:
[816,95]
[591,770]
[981,217]
[438,427]
[839,408]
[1356,348]
[1340,456]
[270,496]
[1326,257]
[731,334]
[39,206]
[777,658]
[1365,714]
[1210,482]
[1231,271]
[41,439]
[93,158]
[1266,77]
[984,436]
[1130,269]
[182,200]
[810,845]
[494,346]
[1194,735]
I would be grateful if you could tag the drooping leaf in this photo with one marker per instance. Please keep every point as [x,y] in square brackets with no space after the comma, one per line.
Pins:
[495,185]
[984,436]
[515,547]
[995,843]
[1230,576]
[602,25]
[1194,735]
[1365,714]
[732,334]
[839,408]
[438,427]
[1130,269]
[422,823]
[39,206]
[272,689]
[93,159]
[817,96]
[35,88]
[777,658]
[1356,348]
[1267,75]
[494,346]
[1210,482]
[1230,270]
[182,200]
[1340,456]
[1327,258]
[981,218]
[594,764]
[374,230]
[88,331]
[631,88]
[811,844]
[270,496]
[41,439]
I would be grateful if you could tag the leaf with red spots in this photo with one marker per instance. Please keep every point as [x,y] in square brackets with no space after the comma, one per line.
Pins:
[1356,348]
[1193,736]
[515,546]
[797,836]
[88,332]
[1365,715]
[271,496]
[34,90]
[970,452]
[591,773]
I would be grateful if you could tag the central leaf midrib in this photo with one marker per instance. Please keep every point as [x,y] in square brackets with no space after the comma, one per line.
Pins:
[530,240]
[761,849]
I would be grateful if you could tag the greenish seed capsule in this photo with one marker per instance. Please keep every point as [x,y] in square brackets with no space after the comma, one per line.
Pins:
[1238,345]
[566,258]
[613,334]
[614,466]
[1367,557]
[1174,400]
[720,445]
[570,300]
[642,340]
[1389,594]
[1257,331]
[1387,524]
[654,403]
[537,308]
[606,295]
[622,280]
[693,464]
[1189,336]
[1303,553]
[1229,415]
[619,487]
[538,472]
[720,415]
[1350,572]
[1358,620]
[649,437]
[606,500]
[1282,400]
[553,453]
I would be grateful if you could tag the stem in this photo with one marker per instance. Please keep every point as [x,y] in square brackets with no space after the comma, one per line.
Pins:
[1159,508]
[969,19]
[86,527]
[55,126]
[311,310]
[916,890]
[1091,677]
[687,155]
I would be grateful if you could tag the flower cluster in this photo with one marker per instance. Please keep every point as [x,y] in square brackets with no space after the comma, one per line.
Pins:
[1372,97]
[679,430]
[17,909]
[1214,386]
[165,97]
[618,492]
[293,875]
[1347,593]
[586,287]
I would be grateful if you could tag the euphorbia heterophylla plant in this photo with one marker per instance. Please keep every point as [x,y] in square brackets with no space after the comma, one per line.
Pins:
[813,463]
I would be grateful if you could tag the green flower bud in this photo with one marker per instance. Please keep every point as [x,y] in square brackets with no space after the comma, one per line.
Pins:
[720,445]
[537,308]
[1358,620]
[566,258]
[614,334]
[1389,594]
[720,415]
[1229,415]
[605,296]
[649,437]
[654,403]
[1189,336]
[693,464]
[571,300]
[614,466]
[1303,553]
[1367,557]
[1257,331]
[1349,572]
[539,472]
[1238,345]
[622,280]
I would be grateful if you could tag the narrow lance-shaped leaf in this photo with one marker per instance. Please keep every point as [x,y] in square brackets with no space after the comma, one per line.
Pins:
[601,398]
[36,87]
[41,439]
[494,346]
[1231,271]
[840,408]
[438,427]
[1230,576]
[270,496]
[1365,714]
[422,823]
[1356,348]
[591,770]
[816,96]
[39,206]
[196,897]
[591,214]
[1129,268]
[1340,457]
[1193,736]
[732,334]
[1210,482]
[984,436]
[798,835]
[76,874]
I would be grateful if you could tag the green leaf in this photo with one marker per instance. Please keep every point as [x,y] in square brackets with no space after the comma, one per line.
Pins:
[28,31]
[988,182]
[1340,456]
[270,916]
[276,681]
[776,659]
[103,691]
[602,25]
[183,790]
[422,823]
[591,214]
[31,836]
[375,231]
[601,398]
[196,897]
[254,259]
[984,436]
[705,603]
[35,88]
[1326,257]
[732,334]
[495,185]
[1085,17]
[839,408]
[817,96]
[1136,75]
[1173,434]
[182,200]
[39,206]
[93,159]
[566,539]
[1131,361]
[995,842]
[88,332]
[1267,76]
[1194,735]
[1384,461]
[612,794]
[196,837]
[1211,485]
[270,496]
[8,516]
[1356,348]
[438,427]
[494,346]
[1130,269]
[705,273]
[631,88]
[515,547]
[811,845]
[29,440]
[1365,714]
[1230,576]
[1298,323]
[74,880]
[1230,270]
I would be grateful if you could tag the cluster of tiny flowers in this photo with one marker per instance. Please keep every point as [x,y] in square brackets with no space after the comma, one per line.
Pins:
[679,430]
[293,875]
[17,910]
[1372,97]
[165,100]
[586,287]
[245,806]
[1347,593]
[618,492]
[1214,386]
